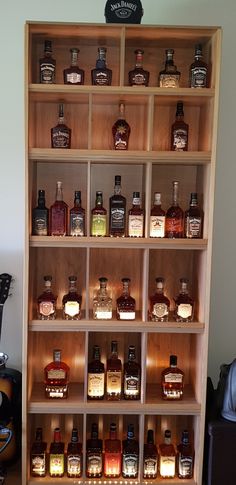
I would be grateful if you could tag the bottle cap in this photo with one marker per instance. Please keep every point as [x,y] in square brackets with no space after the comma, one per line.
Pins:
[74,435]
[130,431]
[157,197]
[185,437]
[150,437]
[117,179]
[167,433]
[48,46]
[123,12]
[173,360]
[72,278]
[103,279]
[41,194]
[74,50]
[77,194]
[125,280]
[198,50]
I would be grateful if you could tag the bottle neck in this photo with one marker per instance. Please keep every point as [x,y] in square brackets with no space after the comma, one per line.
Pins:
[99,201]
[74,436]
[59,193]
[139,60]
[57,435]
[41,202]
[39,435]
[157,199]
[175,194]
[131,357]
[74,58]
[57,356]
[114,350]
[72,287]
[117,190]
[96,354]
[126,290]
[113,433]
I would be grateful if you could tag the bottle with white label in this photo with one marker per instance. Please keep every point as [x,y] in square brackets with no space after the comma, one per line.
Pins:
[184,304]
[172,381]
[130,458]
[193,219]
[185,457]
[198,72]
[157,218]
[132,376]
[125,304]
[167,457]
[72,301]
[136,217]
[96,376]
[73,74]
[102,302]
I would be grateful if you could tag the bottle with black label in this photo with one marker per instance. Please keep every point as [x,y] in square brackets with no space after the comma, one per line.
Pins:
[40,216]
[193,219]
[185,457]
[117,211]
[130,457]
[179,131]
[74,459]
[132,376]
[198,73]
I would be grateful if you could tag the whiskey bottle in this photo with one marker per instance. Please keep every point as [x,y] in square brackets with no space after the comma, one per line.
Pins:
[157,218]
[138,76]
[159,303]
[125,304]
[73,74]
[150,457]
[136,217]
[172,381]
[102,302]
[74,459]
[170,76]
[40,216]
[96,376]
[58,214]
[101,75]
[56,377]
[71,302]
[47,65]
[77,217]
[198,73]
[47,301]
[121,131]
[175,216]
[132,376]
[130,455]
[99,217]
[38,455]
[56,455]
[184,304]
[117,211]
[179,131]
[185,457]
[167,457]
[114,374]
[112,455]
[61,134]
[193,219]
[94,458]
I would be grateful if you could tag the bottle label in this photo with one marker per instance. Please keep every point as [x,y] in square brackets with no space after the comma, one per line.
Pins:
[56,374]
[73,464]
[173,377]
[167,466]
[61,138]
[40,226]
[56,464]
[169,80]
[193,227]
[160,310]
[77,225]
[112,464]
[184,310]
[72,308]
[99,225]
[73,78]
[126,315]
[46,308]
[94,463]
[185,466]
[103,314]
[117,218]
[114,382]
[47,73]
[157,226]
[38,464]
[174,226]
[150,466]
[130,465]
[95,385]
[101,78]
[180,139]
[121,137]
[138,79]
[58,221]
[198,77]
[131,385]
[135,226]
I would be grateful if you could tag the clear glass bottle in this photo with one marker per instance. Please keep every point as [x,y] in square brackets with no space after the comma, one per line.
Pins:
[121,131]
[38,455]
[132,376]
[112,454]
[172,381]
[117,211]
[99,217]
[185,457]
[157,218]
[170,76]
[125,304]
[47,65]
[193,219]
[102,302]
[136,217]
[175,215]
[150,457]
[114,374]
[96,376]
[159,303]
[167,456]
[46,302]
[77,217]
[58,214]
[130,455]
[56,377]
[57,455]
[94,454]
[74,457]
[40,216]
[61,134]
[138,76]
[184,304]
[73,74]
[179,131]
[101,75]
[71,302]
[198,72]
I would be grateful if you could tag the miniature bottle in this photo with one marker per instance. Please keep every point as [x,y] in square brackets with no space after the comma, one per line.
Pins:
[61,134]
[73,74]
[102,302]
[117,211]
[179,131]
[130,455]
[198,73]
[112,454]
[125,304]
[157,218]
[193,219]
[99,217]
[136,217]
[101,75]
[132,376]
[175,215]
[96,376]
[58,214]
[113,374]
[138,76]
[150,457]
[56,377]
[94,454]
[56,455]
[71,302]
[184,304]
[185,457]
[38,455]
[47,301]
[159,303]
[121,131]
[167,456]
[170,76]
[77,217]
[74,458]
[172,381]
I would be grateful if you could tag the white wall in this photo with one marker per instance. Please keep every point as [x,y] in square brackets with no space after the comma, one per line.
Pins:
[166,12]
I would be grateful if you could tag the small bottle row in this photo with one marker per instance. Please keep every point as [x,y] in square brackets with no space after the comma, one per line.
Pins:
[112,457]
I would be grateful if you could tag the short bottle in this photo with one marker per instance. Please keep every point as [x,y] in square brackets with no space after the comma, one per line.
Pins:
[57,455]
[172,381]
[130,455]
[71,302]
[185,457]
[138,76]
[157,218]
[125,304]
[77,217]
[184,304]
[99,217]
[96,376]
[159,303]
[117,211]
[61,134]
[38,455]
[47,301]
[136,217]
[132,376]
[198,72]
[170,76]
[74,458]
[179,131]
[56,377]
[112,454]
[58,214]
[102,302]
[47,65]
[94,454]
[167,456]
[193,219]
[150,457]
[40,216]
[73,74]
[114,374]
[121,131]
[175,215]
[101,75]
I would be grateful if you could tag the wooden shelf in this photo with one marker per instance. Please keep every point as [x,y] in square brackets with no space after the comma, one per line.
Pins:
[105,481]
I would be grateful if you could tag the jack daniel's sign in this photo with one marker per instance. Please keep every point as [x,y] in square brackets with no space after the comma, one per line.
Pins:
[123,12]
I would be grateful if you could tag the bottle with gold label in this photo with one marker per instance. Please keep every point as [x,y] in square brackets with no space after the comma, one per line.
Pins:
[72,301]
[102,302]
[56,455]
[169,77]
[47,301]
[184,304]
[96,376]
[159,303]
[38,455]
[56,377]
[113,374]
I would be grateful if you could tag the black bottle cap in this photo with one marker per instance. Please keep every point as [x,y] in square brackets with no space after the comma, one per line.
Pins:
[180,108]
[103,279]
[173,360]
[136,195]
[123,12]
[198,50]
[167,433]
[117,179]
[77,194]
[47,278]
[150,437]
[41,194]
[72,278]
[125,280]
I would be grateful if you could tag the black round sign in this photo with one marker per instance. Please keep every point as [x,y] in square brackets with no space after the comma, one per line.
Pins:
[123,12]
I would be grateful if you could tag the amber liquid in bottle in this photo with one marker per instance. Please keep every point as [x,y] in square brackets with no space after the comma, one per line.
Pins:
[38,455]
[136,217]
[125,304]
[101,75]
[132,376]
[157,218]
[198,73]
[167,457]
[121,131]
[47,65]
[170,76]
[159,303]
[193,219]
[74,459]
[77,217]
[98,217]
[72,301]
[56,377]
[102,302]
[47,301]
[179,131]
[94,458]
[150,457]
[40,216]
[96,376]
[172,381]
[73,74]
[185,457]
[138,76]
[130,455]
[58,214]
[114,374]
[175,216]
[112,455]
[61,134]
[117,211]
[56,456]
[184,304]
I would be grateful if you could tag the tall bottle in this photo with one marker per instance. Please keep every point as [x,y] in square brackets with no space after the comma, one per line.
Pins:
[167,456]
[179,131]
[61,134]
[170,76]
[198,72]
[101,75]
[114,374]
[46,303]
[102,302]
[77,217]
[185,457]
[94,458]
[193,219]
[117,211]
[38,455]
[159,303]
[99,217]
[96,376]
[157,218]
[47,65]
[74,459]
[130,455]
[56,377]
[121,131]
[184,304]
[71,302]
[175,216]
[136,217]
[150,457]
[112,454]
[138,76]
[56,455]
[172,381]
[125,304]
[73,74]
[132,376]
[40,216]
[58,214]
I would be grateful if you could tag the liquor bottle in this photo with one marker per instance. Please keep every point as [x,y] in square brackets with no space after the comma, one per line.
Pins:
[99,217]
[138,76]
[47,65]
[40,216]
[159,303]
[198,72]
[117,211]
[96,376]
[94,458]
[38,455]
[73,74]
[112,455]
[157,218]
[72,301]
[47,301]
[193,219]
[175,216]
[167,456]
[114,374]
[185,457]
[179,131]
[77,217]
[170,76]
[102,302]
[172,381]
[121,131]
[56,455]
[130,455]
[74,460]
[132,376]
[61,134]
[150,457]
[136,217]
[58,214]
[101,75]
[125,304]
[184,304]
[56,377]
